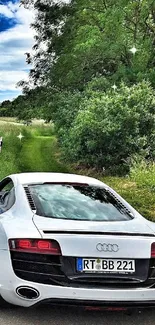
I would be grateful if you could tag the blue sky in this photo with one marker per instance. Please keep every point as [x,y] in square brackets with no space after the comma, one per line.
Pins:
[16,38]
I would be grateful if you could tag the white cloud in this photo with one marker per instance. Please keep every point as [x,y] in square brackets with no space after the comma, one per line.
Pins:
[14,43]
[9,79]
[5,10]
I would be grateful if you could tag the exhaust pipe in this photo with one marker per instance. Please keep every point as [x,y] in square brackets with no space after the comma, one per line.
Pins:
[27,293]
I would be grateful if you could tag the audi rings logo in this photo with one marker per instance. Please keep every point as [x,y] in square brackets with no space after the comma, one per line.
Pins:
[107,247]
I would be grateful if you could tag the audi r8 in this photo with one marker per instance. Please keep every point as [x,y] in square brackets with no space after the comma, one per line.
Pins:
[72,239]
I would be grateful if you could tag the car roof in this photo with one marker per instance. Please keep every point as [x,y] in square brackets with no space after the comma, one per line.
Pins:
[34,178]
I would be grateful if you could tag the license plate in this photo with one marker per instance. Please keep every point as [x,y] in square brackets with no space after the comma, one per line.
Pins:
[101,265]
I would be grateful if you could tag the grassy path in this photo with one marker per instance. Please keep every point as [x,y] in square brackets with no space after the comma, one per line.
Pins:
[40,154]
[38,151]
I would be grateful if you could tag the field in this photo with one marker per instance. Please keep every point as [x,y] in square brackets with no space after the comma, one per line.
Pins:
[35,152]
[38,151]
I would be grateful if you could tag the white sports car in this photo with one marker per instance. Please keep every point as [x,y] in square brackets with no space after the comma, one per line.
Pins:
[71,239]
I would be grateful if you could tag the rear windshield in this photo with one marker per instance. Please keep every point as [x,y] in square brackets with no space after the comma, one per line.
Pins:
[78,202]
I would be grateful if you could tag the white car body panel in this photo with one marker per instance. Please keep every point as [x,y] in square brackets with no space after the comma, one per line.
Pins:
[85,245]
[76,239]
[132,226]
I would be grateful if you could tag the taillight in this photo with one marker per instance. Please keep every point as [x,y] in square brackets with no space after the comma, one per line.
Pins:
[39,246]
[153,250]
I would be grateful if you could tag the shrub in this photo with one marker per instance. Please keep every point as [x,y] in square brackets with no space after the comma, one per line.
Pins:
[110,127]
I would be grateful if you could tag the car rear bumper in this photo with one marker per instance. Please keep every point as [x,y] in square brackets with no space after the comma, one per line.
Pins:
[79,297]
[92,304]
[9,283]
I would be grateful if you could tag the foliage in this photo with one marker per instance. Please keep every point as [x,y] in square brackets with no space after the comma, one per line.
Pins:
[111,127]
[46,158]
[86,38]
[5,109]
[63,108]
[25,107]
[143,173]
[81,49]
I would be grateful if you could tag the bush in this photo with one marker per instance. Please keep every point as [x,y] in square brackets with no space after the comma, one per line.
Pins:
[63,108]
[111,127]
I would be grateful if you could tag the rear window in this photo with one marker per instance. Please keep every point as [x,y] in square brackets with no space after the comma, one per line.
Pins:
[78,202]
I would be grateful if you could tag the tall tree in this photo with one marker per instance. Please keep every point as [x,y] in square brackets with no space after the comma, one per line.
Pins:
[82,39]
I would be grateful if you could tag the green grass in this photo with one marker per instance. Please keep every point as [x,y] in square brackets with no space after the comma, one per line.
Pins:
[141,198]
[10,149]
[8,119]
[38,151]
[143,174]
[39,154]
[41,130]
